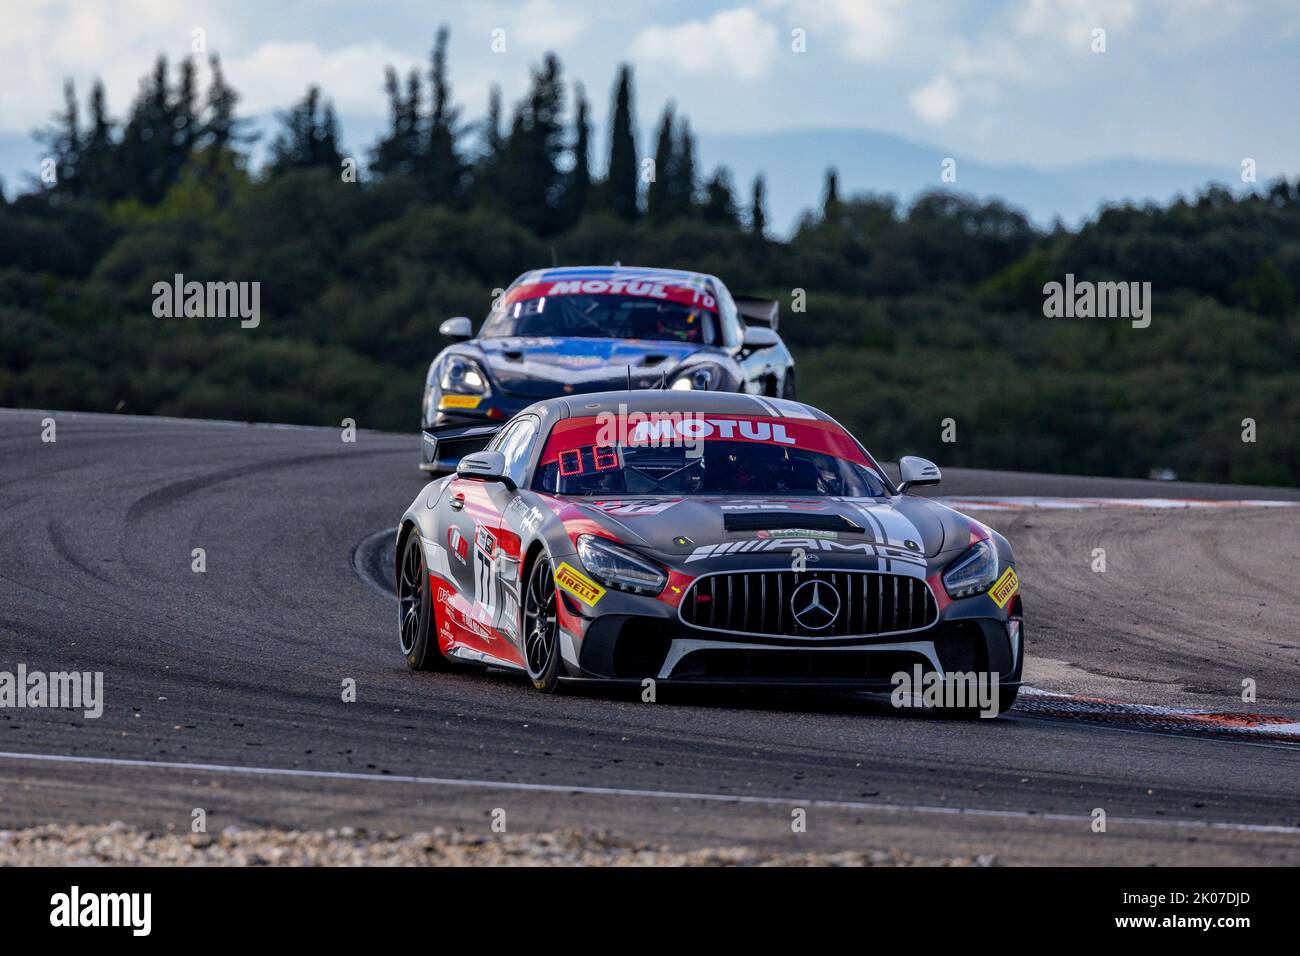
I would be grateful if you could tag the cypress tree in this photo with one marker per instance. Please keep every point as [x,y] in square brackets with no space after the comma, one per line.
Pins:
[832,208]
[309,136]
[491,154]
[63,139]
[444,169]
[621,176]
[684,169]
[578,190]
[757,214]
[222,133]
[659,204]
[398,152]
[97,160]
[720,199]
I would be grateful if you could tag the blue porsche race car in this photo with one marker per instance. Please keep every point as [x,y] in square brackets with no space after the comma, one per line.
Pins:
[557,332]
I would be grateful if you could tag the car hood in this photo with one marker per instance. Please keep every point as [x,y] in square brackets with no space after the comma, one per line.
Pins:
[547,367]
[701,533]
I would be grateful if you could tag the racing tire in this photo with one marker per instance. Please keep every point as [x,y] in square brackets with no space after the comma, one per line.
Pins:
[1006,700]
[417,636]
[787,385]
[541,628]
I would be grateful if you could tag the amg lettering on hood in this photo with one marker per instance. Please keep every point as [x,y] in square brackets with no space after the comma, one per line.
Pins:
[881,550]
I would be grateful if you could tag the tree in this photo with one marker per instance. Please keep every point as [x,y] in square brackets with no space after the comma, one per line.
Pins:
[308,137]
[222,130]
[832,208]
[493,141]
[621,175]
[577,191]
[485,182]
[154,149]
[531,179]
[98,166]
[63,138]
[684,169]
[720,199]
[222,135]
[660,204]
[186,110]
[757,214]
[398,152]
[444,170]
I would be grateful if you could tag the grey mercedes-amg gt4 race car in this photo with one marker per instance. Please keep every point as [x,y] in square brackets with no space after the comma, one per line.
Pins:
[690,537]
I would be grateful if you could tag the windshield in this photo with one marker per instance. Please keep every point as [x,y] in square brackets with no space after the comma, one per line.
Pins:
[603,309]
[676,454]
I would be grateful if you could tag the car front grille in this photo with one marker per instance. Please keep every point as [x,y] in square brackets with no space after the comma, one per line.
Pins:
[810,604]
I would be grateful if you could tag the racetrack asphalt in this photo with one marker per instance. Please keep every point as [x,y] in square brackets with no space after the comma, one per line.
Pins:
[223,689]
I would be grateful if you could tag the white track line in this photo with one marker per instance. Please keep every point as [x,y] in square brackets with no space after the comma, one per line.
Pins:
[645,794]
[989,503]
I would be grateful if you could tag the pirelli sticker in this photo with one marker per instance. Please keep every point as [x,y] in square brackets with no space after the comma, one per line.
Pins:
[1005,587]
[578,584]
[460,401]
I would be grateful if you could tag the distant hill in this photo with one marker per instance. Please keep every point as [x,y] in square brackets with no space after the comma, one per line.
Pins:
[795,163]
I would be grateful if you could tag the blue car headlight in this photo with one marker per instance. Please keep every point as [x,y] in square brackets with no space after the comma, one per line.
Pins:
[463,376]
[972,573]
[618,567]
[698,378]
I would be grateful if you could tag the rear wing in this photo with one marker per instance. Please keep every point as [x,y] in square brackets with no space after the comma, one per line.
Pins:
[756,311]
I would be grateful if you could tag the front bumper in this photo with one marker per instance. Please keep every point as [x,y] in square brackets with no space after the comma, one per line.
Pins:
[635,639]
[618,647]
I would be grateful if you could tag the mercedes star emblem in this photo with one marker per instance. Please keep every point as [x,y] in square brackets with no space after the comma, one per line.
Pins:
[815,605]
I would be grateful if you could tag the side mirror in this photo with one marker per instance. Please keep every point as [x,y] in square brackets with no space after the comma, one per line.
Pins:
[757,337]
[457,329]
[914,472]
[484,466]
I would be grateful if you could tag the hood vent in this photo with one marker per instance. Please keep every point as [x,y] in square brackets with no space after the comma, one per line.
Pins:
[780,520]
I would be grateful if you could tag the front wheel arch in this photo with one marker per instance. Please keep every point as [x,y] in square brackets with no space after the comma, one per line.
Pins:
[547,680]
[403,532]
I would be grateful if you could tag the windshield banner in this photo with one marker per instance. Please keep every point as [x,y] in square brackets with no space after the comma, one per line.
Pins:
[640,288]
[686,429]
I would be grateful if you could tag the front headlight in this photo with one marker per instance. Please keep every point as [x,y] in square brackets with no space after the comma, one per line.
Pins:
[972,573]
[700,378]
[463,376]
[620,567]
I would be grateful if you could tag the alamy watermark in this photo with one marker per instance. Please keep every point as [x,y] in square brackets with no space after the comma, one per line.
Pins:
[954,690]
[133,911]
[58,690]
[1102,300]
[179,299]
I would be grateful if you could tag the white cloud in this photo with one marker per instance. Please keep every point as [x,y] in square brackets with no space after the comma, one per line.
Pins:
[736,41]
[937,101]
[542,24]
[1032,43]
[867,30]
[53,40]
[1071,22]
[277,73]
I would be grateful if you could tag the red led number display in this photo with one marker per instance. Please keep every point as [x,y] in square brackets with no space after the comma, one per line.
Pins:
[602,457]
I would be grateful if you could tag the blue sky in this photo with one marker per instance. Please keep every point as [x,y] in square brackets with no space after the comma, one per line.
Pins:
[1001,81]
